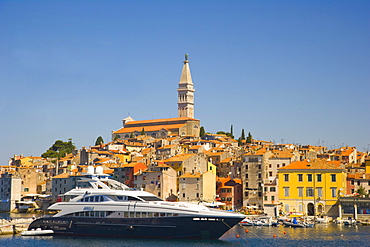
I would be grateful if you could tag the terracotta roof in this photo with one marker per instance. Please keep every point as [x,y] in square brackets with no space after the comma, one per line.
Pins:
[164,120]
[359,176]
[190,175]
[148,128]
[63,175]
[179,157]
[317,164]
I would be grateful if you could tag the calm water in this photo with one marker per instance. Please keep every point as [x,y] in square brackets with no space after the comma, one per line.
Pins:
[320,235]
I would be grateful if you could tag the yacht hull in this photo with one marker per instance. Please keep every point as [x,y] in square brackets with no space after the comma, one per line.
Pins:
[159,227]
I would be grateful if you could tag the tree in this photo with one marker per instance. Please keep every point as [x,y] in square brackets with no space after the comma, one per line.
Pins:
[225,133]
[249,138]
[242,137]
[361,191]
[202,132]
[59,149]
[143,132]
[231,130]
[99,141]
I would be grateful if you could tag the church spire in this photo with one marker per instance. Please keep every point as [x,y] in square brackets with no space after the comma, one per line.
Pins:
[186,92]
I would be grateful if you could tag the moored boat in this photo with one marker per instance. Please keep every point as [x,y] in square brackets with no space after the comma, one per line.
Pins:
[37,232]
[105,207]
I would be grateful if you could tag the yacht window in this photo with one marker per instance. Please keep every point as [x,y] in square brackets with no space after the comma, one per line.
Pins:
[143,214]
[163,214]
[130,198]
[150,214]
[150,198]
[137,214]
[122,198]
[125,214]
[132,214]
[102,214]
[97,198]
[91,199]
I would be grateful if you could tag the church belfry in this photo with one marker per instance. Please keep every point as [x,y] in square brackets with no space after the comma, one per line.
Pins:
[186,92]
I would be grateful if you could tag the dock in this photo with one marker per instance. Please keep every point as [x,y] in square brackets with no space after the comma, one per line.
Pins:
[14,226]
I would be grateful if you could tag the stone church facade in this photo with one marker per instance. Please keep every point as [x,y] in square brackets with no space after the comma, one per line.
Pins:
[184,125]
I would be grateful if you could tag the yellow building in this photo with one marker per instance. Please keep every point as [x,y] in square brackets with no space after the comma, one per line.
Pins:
[311,187]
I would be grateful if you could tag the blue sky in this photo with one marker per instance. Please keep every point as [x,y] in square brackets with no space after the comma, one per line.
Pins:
[286,71]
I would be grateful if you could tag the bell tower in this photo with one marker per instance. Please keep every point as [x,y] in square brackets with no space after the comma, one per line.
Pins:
[185,91]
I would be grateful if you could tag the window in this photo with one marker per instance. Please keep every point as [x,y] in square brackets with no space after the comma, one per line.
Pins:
[286,191]
[300,191]
[309,192]
[246,175]
[272,198]
[265,189]
[333,192]
[286,177]
[272,189]
[352,182]
[319,192]
[300,208]
[333,177]
[246,167]
[318,177]
[265,198]
[358,182]
[270,174]
[286,207]
[300,177]
[309,177]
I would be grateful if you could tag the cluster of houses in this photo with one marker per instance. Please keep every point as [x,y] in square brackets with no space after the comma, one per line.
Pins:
[173,159]
[259,176]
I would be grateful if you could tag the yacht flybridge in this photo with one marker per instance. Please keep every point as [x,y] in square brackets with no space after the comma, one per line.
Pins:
[101,206]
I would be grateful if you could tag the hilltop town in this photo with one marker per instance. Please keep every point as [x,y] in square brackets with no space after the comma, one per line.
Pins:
[176,160]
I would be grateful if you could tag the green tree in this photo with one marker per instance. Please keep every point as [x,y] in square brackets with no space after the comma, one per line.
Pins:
[231,130]
[59,149]
[225,133]
[99,140]
[116,137]
[143,132]
[249,138]
[202,132]
[242,137]
[361,191]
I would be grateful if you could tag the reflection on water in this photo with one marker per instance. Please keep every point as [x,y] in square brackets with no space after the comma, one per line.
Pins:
[320,235]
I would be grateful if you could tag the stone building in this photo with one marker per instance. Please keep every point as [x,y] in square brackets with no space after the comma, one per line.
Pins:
[10,191]
[183,125]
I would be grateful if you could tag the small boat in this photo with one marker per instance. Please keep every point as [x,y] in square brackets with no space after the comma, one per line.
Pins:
[246,222]
[295,223]
[37,232]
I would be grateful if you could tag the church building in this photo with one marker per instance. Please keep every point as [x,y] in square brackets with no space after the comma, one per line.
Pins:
[184,125]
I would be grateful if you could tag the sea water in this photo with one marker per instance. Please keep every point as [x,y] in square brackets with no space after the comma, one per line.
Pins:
[320,235]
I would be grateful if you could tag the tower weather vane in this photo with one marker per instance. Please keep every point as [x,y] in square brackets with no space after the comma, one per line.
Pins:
[186,56]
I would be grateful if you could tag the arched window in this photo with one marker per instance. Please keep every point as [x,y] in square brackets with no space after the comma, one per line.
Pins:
[286,207]
[300,208]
